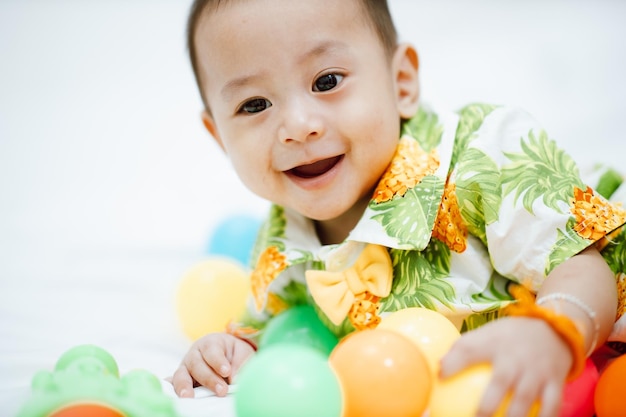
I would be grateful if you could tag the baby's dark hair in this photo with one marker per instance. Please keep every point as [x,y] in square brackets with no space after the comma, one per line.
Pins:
[376,12]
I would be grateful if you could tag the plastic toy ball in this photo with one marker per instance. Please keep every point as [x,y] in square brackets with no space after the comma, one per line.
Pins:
[431,331]
[610,395]
[286,380]
[578,394]
[460,395]
[234,237]
[382,373]
[86,382]
[299,325]
[210,295]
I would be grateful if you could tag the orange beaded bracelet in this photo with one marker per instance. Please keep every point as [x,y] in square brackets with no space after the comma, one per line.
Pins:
[561,324]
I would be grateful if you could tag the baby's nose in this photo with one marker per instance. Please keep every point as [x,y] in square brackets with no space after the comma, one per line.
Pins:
[302,121]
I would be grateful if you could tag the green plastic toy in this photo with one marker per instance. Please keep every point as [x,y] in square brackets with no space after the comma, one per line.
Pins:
[86,382]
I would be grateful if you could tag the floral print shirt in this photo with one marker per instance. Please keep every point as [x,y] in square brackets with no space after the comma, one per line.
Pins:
[471,201]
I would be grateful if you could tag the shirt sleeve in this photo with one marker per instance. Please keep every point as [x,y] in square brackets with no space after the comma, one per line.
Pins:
[524,197]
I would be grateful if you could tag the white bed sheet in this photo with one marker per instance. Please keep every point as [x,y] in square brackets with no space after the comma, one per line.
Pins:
[109,187]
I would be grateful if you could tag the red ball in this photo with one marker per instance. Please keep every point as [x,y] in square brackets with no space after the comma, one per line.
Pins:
[578,394]
[610,396]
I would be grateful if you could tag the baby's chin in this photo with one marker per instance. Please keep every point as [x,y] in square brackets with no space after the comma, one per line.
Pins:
[337,211]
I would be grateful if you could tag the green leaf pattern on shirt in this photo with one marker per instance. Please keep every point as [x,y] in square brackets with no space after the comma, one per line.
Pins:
[339,330]
[610,181]
[541,171]
[410,217]
[471,118]
[475,320]
[496,292]
[296,293]
[271,233]
[478,191]
[544,172]
[477,176]
[425,129]
[419,278]
[568,242]
[615,253]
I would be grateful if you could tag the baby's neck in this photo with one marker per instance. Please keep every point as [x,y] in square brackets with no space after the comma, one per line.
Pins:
[331,231]
[336,230]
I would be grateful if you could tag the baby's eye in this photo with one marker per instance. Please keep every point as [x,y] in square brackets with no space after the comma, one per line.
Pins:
[327,82]
[255,105]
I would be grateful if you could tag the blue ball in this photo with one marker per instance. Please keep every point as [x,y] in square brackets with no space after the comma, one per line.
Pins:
[234,237]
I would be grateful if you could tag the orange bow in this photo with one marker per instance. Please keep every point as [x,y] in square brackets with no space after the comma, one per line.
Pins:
[334,292]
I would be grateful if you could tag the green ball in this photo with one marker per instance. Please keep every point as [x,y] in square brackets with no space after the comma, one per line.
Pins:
[299,325]
[286,380]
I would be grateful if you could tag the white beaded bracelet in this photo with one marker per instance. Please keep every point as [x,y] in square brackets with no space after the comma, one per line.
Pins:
[584,307]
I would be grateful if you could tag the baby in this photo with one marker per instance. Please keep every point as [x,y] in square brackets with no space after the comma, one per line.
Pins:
[382,203]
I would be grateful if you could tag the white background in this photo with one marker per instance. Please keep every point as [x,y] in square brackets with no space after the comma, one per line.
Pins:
[110,187]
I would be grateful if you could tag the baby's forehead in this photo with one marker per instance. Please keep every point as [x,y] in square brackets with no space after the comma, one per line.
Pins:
[205,9]
[222,22]
[374,15]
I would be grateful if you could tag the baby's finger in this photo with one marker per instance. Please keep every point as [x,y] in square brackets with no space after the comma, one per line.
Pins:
[551,400]
[204,374]
[495,393]
[526,393]
[464,353]
[214,356]
[240,356]
[183,382]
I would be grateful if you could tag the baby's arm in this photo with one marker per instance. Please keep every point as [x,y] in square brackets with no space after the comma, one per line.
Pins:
[530,360]
[212,361]
[588,278]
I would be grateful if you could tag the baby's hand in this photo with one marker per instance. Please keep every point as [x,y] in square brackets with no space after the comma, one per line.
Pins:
[529,360]
[212,361]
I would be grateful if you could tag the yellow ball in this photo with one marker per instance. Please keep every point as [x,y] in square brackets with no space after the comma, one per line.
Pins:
[431,331]
[460,395]
[211,294]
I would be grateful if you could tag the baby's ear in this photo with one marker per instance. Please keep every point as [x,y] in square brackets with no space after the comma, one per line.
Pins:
[405,65]
[209,124]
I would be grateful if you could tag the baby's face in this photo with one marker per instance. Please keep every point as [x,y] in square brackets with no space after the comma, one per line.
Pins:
[302,99]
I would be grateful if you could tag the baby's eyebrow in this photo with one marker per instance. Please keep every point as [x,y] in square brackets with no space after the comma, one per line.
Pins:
[236,83]
[325,47]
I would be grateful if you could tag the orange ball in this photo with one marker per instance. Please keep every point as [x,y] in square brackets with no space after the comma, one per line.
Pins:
[381,373]
[609,398]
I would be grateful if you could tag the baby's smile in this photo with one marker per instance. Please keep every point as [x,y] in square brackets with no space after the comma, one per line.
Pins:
[315,169]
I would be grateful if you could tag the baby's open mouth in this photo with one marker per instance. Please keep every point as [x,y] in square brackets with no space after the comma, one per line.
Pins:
[316,168]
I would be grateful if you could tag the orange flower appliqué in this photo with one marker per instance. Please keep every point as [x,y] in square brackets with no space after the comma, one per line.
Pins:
[407,168]
[594,216]
[364,312]
[449,226]
[275,304]
[241,331]
[270,264]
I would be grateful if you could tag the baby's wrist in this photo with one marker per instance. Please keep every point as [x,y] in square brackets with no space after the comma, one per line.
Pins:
[583,316]
[564,326]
